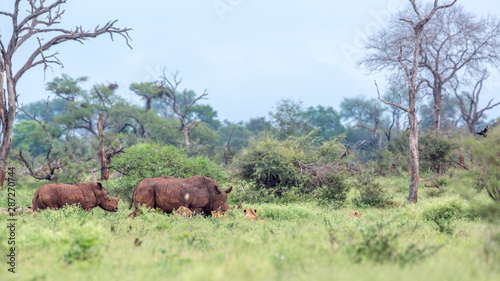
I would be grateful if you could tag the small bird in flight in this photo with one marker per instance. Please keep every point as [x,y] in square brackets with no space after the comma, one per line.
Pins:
[483,132]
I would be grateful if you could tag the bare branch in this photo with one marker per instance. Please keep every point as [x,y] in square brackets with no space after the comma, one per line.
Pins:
[170,88]
[44,126]
[52,167]
[30,169]
[6,14]
[77,35]
[390,103]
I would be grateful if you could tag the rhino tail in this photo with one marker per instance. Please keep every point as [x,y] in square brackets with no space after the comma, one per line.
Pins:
[132,201]
[34,202]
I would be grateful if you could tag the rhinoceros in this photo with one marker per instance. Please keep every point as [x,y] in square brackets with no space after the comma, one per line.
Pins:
[88,195]
[201,195]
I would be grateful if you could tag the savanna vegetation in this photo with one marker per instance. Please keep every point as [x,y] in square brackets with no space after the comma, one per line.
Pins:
[304,169]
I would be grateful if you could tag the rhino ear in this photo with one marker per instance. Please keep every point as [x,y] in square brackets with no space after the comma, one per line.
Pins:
[228,190]
[99,186]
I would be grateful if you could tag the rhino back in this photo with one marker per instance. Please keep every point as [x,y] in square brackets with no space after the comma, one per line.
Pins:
[58,195]
[172,193]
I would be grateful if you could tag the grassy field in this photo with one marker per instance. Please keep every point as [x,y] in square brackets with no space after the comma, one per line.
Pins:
[440,238]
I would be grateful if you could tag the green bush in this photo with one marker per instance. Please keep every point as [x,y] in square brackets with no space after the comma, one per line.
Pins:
[305,163]
[386,162]
[157,160]
[248,193]
[450,209]
[446,211]
[334,193]
[74,172]
[82,249]
[434,150]
[380,245]
[486,153]
[370,193]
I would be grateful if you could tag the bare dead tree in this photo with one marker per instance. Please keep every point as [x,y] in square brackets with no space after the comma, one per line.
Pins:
[454,42]
[39,21]
[52,167]
[469,103]
[411,73]
[181,110]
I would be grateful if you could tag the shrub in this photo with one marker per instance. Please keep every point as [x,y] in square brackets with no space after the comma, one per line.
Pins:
[305,163]
[335,191]
[386,162]
[486,153]
[157,160]
[250,194]
[381,245]
[444,212]
[85,241]
[370,193]
[450,209]
[83,249]
[434,150]
[74,172]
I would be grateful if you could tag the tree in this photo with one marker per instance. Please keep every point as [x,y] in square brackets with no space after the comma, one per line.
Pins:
[450,114]
[287,119]
[257,125]
[105,171]
[395,94]
[81,108]
[454,42]
[410,65]
[237,133]
[30,136]
[56,106]
[39,19]
[52,166]
[326,118]
[367,114]
[148,91]
[180,105]
[469,103]
[207,114]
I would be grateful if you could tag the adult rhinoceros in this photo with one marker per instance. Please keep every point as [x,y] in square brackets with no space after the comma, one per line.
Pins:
[199,194]
[87,194]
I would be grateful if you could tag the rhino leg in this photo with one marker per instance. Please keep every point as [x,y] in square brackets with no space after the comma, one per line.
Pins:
[143,196]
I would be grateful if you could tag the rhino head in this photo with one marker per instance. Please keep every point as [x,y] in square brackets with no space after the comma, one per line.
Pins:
[219,199]
[105,201]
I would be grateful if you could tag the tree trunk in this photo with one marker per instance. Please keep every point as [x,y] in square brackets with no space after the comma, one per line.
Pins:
[414,164]
[472,129]
[412,114]
[436,92]
[102,154]
[186,137]
[8,121]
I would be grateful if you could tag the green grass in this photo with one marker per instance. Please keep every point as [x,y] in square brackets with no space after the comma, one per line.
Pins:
[296,241]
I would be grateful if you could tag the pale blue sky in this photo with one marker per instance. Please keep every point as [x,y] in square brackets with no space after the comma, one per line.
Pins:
[249,54]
